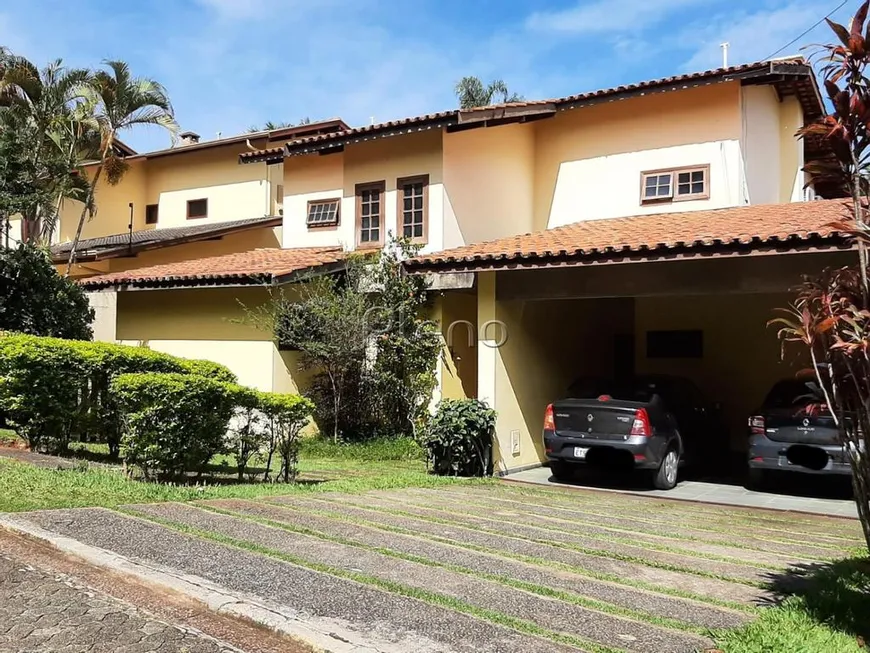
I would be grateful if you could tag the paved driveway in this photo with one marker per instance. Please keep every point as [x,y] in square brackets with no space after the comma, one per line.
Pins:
[823,496]
[490,569]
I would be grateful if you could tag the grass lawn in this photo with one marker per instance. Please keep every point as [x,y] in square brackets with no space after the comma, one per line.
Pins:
[323,467]
[831,614]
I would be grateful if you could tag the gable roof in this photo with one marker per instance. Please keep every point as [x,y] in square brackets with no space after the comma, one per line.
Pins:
[127,244]
[773,227]
[790,76]
[257,267]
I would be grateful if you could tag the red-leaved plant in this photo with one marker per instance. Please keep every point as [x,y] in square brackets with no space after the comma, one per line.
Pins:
[831,313]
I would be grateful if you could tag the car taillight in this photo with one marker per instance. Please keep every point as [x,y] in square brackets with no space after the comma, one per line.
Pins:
[549,422]
[641,425]
[756,425]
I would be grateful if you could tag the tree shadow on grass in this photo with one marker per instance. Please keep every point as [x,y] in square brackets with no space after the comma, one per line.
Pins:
[836,593]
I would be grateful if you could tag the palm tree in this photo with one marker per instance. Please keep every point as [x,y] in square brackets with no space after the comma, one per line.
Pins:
[472,92]
[41,107]
[269,125]
[117,102]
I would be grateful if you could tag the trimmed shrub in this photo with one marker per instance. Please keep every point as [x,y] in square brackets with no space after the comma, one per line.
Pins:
[41,389]
[75,376]
[173,423]
[285,415]
[248,435]
[459,438]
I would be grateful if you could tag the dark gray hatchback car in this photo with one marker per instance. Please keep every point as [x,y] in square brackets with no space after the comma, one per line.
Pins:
[794,431]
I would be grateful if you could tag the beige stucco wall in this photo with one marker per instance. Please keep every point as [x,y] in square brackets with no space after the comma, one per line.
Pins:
[760,143]
[233,191]
[206,323]
[742,355]
[456,313]
[489,183]
[589,161]
[14,232]
[316,177]
[113,206]
[792,178]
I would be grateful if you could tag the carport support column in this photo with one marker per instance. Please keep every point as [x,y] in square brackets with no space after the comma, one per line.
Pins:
[105,305]
[487,350]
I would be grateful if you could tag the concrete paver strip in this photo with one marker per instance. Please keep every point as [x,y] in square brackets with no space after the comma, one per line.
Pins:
[651,523]
[43,612]
[823,530]
[675,580]
[382,621]
[50,462]
[548,613]
[553,520]
[661,605]
[686,561]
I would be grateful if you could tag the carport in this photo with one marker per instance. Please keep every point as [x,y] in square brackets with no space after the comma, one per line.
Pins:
[679,294]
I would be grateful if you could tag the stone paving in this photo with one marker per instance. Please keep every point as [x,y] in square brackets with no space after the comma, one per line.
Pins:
[490,569]
[41,612]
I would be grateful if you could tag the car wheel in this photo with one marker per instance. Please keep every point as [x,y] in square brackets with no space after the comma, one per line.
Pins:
[561,471]
[665,477]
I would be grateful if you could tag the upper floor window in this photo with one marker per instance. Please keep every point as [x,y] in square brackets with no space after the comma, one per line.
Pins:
[323,213]
[151,214]
[675,185]
[197,209]
[413,210]
[370,214]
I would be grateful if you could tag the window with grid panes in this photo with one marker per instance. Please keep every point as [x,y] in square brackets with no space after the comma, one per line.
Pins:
[323,213]
[675,185]
[413,208]
[370,214]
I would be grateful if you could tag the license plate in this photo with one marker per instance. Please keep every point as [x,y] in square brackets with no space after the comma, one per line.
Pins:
[580,452]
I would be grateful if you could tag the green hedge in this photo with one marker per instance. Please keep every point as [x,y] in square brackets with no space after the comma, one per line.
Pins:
[173,423]
[459,438]
[53,391]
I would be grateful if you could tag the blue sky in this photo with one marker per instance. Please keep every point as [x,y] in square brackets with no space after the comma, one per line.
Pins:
[230,64]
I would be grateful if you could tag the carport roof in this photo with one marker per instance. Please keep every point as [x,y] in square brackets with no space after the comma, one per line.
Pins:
[257,267]
[736,230]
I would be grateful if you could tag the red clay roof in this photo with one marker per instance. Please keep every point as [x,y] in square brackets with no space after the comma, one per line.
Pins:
[789,70]
[742,228]
[254,267]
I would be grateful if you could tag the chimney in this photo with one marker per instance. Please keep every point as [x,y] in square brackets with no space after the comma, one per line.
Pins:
[189,138]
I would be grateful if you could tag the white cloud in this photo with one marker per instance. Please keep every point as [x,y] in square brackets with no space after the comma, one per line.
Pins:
[752,36]
[607,16]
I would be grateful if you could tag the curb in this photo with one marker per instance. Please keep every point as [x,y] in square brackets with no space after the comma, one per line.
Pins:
[326,635]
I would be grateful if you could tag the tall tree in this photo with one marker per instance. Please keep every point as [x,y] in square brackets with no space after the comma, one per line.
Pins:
[472,92]
[40,111]
[118,102]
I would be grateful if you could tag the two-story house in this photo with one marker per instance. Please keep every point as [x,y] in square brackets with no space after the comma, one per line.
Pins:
[650,173]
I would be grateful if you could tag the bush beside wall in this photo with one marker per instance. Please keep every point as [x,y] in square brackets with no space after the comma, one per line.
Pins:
[459,438]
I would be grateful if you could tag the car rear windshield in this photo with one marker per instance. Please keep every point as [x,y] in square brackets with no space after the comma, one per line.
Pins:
[792,392]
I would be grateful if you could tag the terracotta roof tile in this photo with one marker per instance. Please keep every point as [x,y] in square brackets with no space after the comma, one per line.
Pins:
[253,267]
[760,224]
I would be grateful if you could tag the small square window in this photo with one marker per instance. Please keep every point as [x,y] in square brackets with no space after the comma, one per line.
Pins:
[151,214]
[323,213]
[197,209]
[675,185]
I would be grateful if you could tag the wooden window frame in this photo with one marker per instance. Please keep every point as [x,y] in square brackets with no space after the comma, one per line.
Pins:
[400,217]
[156,208]
[318,226]
[197,217]
[674,196]
[381,187]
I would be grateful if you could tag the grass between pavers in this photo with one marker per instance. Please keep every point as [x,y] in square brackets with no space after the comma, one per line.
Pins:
[619,537]
[724,514]
[540,590]
[532,560]
[433,598]
[25,487]
[584,520]
[601,553]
